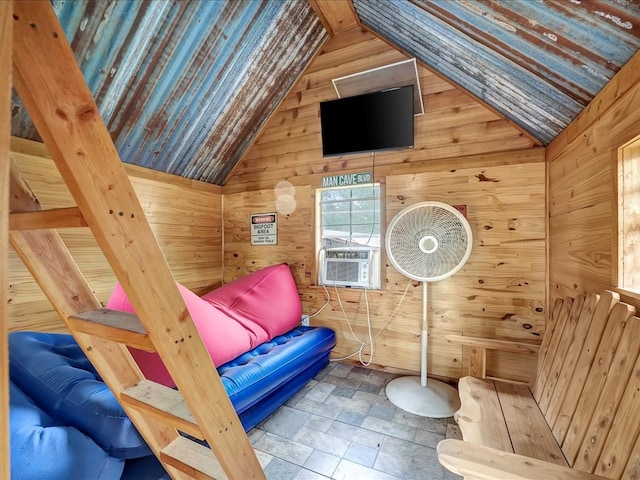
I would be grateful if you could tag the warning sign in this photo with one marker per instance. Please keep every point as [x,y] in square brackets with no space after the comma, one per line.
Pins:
[264,229]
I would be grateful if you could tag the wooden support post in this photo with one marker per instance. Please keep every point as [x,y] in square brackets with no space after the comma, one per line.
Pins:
[53,89]
[478,362]
[6,36]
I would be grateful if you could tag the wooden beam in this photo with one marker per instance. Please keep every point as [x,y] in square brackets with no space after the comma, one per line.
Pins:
[56,218]
[59,274]
[22,147]
[6,25]
[494,344]
[335,15]
[52,88]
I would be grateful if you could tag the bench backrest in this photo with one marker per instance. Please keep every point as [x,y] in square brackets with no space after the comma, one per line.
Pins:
[588,383]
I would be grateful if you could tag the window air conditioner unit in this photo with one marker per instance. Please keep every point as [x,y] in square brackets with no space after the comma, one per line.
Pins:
[349,267]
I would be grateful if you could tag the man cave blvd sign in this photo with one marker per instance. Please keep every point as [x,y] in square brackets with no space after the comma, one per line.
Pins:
[264,229]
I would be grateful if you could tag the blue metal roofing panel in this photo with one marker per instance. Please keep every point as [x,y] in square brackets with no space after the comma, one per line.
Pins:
[184,87]
[538,63]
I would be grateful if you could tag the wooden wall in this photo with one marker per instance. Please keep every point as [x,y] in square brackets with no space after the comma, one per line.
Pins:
[582,189]
[6,40]
[185,216]
[464,154]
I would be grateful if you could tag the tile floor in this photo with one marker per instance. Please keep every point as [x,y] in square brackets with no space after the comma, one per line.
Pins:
[342,426]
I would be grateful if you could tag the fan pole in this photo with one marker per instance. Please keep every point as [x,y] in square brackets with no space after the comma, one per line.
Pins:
[423,350]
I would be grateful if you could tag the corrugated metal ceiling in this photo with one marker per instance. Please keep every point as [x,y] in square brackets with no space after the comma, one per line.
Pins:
[537,62]
[184,86]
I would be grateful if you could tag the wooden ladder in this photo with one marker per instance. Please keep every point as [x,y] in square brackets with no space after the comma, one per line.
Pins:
[53,89]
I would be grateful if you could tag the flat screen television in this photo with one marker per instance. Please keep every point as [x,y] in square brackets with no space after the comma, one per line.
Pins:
[367,123]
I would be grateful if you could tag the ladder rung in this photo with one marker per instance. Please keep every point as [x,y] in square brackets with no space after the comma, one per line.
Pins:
[163,403]
[117,326]
[193,459]
[43,219]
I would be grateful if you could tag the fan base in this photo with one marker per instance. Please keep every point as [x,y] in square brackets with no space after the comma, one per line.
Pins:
[436,400]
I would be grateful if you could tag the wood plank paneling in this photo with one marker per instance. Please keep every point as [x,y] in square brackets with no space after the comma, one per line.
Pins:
[6,35]
[185,216]
[582,189]
[464,154]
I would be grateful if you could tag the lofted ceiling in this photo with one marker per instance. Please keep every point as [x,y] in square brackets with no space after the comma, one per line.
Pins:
[185,87]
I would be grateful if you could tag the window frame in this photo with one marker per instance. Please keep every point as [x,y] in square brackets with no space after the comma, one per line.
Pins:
[318,227]
[626,268]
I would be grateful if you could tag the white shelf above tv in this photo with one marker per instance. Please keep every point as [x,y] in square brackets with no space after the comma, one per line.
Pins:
[383,78]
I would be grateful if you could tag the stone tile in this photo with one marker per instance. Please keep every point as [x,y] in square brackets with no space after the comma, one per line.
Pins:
[348,404]
[359,374]
[453,431]
[321,424]
[305,439]
[309,475]
[408,460]
[310,384]
[435,425]
[263,458]
[370,388]
[286,422]
[254,435]
[360,370]
[380,378]
[341,370]
[283,448]
[348,470]
[322,463]
[280,469]
[386,427]
[373,398]
[324,442]
[451,476]
[324,372]
[343,382]
[428,439]
[322,409]
[360,454]
[382,411]
[320,392]
[300,394]
[366,377]
[356,434]
[343,392]
[352,418]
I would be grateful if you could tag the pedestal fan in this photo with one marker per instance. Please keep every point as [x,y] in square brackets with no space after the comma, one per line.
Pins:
[427,242]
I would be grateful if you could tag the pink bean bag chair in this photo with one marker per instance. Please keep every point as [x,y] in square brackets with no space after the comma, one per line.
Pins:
[232,319]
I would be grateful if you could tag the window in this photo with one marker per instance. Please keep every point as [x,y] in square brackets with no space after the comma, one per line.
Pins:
[628,216]
[350,216]
[349,220]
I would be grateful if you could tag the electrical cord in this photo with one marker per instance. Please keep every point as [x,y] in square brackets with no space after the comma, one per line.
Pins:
[363,344]
[372,339]
[394,310]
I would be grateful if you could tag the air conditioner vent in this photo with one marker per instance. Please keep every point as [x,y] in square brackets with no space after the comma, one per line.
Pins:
[349,267]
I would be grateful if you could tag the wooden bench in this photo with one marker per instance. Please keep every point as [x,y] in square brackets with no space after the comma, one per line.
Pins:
[578,418]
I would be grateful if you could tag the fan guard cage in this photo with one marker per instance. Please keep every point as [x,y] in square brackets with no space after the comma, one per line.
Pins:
[428,241]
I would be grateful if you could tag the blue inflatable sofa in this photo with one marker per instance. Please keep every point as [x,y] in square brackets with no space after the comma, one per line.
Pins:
[66,424]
